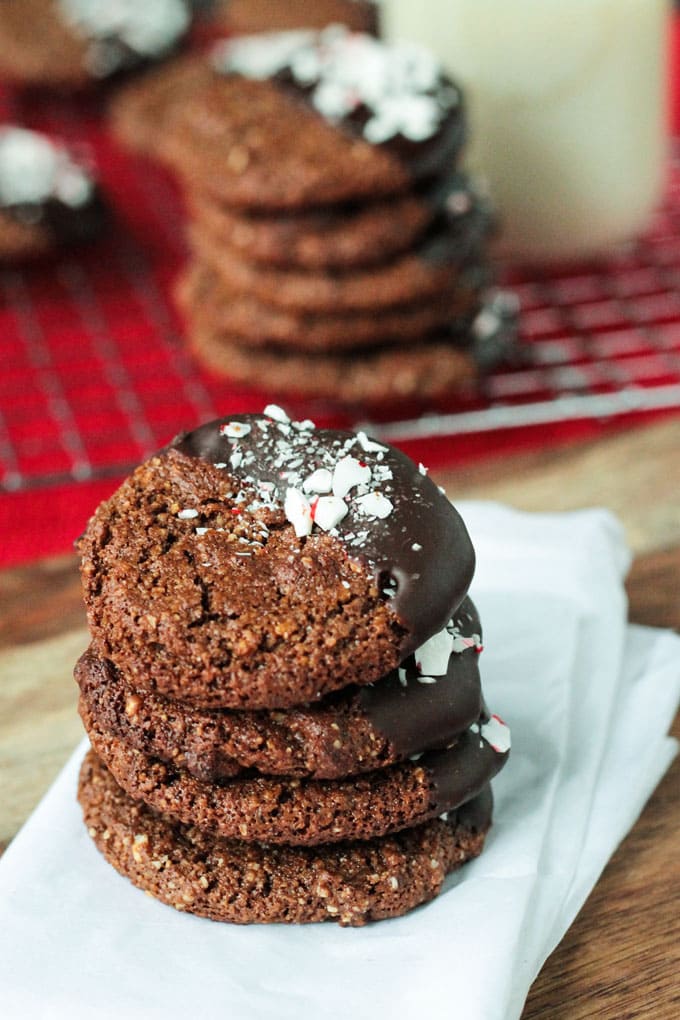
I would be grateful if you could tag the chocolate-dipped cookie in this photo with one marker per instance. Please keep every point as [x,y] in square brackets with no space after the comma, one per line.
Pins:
[71,43]
[227,880]
[302,119]
[264,16]
[47,198]
[355,730]
[430,271]
[344,236]
[211,307]
[262,563]
[308,812]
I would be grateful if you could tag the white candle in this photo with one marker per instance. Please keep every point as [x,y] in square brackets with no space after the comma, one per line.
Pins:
[566,101]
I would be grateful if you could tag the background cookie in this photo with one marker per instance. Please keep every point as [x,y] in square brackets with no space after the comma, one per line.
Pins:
[245,883]
[206,578]
[212,307]
[47,199]
[278,15]
[71,43]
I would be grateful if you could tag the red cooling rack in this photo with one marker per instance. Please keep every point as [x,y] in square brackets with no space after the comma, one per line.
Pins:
[94,375]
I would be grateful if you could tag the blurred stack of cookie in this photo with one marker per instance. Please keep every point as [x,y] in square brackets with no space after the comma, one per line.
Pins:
[337,249]
[282,692]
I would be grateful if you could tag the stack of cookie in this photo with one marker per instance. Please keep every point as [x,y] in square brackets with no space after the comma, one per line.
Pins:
[337,249]
[282,692]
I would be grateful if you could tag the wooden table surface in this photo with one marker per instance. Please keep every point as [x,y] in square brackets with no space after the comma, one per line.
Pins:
[621,958]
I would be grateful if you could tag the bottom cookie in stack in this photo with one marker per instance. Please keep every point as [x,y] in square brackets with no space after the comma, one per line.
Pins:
[351,809]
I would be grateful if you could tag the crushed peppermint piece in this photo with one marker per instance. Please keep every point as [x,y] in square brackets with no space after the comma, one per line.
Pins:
[416,546]
[298,511]
[320,481]
[496,733]
[369,445]
[460,643]
[220,464]
[201,531]
[426,679]
[349,472]
[402,677]
[236,459]
[235,429]
[187,515]
[433,657]
[423,470]
[374,504]
[345,584]
[277,413]
[305,425]
[327,511]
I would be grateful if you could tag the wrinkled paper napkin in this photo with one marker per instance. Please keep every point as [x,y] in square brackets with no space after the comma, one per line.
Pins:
[589,700]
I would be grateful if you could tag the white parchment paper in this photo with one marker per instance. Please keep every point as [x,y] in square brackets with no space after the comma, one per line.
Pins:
[589,700]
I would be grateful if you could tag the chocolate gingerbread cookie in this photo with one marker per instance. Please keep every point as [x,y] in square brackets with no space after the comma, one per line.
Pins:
[71,43]
[213,308]
[304,119]
[355,730]
[262,563]
[343,236]
[226,880]
[307,812]
[47,198]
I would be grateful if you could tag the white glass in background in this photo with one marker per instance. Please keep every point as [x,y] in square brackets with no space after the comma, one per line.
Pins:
[567,111]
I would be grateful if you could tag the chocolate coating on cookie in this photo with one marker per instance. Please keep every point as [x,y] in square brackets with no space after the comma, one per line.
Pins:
[395,520]
[419,713]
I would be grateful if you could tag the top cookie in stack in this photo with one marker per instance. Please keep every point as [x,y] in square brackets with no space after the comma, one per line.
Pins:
[337,251]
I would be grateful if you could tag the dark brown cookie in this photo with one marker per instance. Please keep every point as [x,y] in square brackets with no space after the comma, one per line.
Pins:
[263,135]
[211,307]
[47,199]
[356,730]
[142,111]
[377,375]
[308,812]
[433,270]
[341,236]
[70,44]
[226,880]
[267,16]
[223,573]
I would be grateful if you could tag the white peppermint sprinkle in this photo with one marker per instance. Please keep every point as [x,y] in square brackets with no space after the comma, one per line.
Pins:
[423,470]
[346,584]
[402,677]
[426,679]
[460,643]
[496,733]
[416,547]
[433,656]
[235,429]
[327,511]
[394,882]
[374,504]
[349,472]
[277,413]
[305,425]
[187,515]
[201,531]
[320,481]
[298,511]
[220,464]
[236,459]
[369,445]
[33,168]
